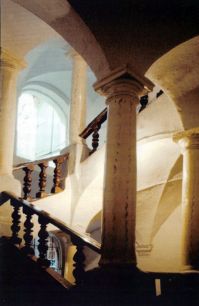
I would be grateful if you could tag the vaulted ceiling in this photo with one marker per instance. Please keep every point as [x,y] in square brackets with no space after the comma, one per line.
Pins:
[157,38]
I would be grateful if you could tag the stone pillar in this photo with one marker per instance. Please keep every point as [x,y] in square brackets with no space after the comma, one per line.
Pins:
[119,203]
[10,66]
[78,148]
[189,143]
[78,98]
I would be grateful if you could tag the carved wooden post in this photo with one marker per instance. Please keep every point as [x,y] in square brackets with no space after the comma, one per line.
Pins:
[95,138]
[15,227]
[28,226]
[43,243]
[27,181]
[79,259]
[42,180]
[57,174]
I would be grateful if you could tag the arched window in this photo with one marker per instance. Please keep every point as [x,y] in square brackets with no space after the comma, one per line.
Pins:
[41,128]
[55,253]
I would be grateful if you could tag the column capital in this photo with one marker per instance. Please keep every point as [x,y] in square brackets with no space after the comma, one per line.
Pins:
[8,61]
[188,139]
[123,81]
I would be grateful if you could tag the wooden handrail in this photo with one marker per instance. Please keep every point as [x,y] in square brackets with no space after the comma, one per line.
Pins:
[96,123]
[80,237]
[80,240]
[93,128]
[29,167]
[36,162]
[98,120]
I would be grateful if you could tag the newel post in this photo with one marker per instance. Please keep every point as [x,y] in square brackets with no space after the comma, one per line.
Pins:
[122,88]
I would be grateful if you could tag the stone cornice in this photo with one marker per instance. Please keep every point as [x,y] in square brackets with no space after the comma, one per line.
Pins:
[7,60]
[142,84]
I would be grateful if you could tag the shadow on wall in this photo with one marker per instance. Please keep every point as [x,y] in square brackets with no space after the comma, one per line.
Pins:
[94,230]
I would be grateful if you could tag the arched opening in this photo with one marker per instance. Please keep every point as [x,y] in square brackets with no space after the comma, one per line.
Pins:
[41,128]
[55,253]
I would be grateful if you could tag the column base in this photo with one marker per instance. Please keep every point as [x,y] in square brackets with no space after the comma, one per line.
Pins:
[113,285]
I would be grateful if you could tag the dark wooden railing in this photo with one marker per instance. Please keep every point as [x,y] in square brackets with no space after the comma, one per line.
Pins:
[93,128]
[42,164]
[78,239]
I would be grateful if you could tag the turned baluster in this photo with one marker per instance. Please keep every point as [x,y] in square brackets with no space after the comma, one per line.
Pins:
[27,181]
[43,243]
[28,229]
[79,259]
[15,227]
[57,174]
[42,180]
[95,138]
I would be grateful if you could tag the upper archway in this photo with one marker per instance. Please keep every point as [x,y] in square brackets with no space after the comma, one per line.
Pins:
[60,16]
[177,74]
[109,34]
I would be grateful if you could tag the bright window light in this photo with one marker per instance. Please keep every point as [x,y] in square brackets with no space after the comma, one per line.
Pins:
[40,130]
[26,127]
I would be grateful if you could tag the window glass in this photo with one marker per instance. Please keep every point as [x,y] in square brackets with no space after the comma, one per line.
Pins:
[40,130]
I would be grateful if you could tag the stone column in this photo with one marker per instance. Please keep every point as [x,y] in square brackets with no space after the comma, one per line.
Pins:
[78,148]
[78,98]
[119,203]
[10,66]
[189,143]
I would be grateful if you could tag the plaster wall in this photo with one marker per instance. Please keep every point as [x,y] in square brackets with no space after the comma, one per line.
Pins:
[159,167]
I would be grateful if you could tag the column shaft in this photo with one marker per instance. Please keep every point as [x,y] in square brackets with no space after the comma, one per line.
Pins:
[119,204]
[9,69]
[189,141]
[78,98]
[122,86]
[120,183]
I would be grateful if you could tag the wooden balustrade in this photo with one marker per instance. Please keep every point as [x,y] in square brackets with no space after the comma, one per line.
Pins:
[57,174]
[28,230]
[80,240]
[27,181]
[42,180]
[15,227]
[93,128]
[79,258]
[43,164]
[43,242]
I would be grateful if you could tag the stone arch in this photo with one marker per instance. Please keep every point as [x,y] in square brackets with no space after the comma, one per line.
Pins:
[65,21]
[176,72]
